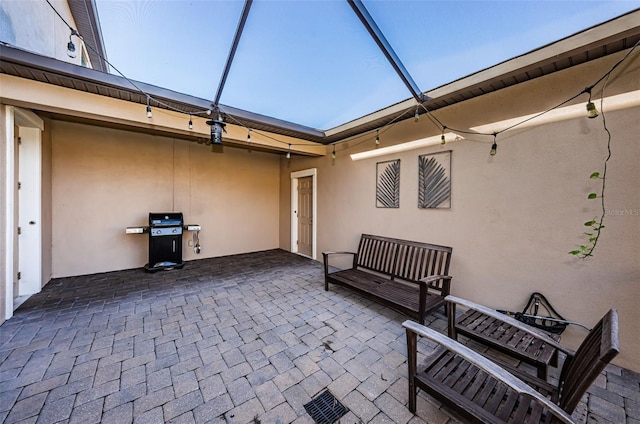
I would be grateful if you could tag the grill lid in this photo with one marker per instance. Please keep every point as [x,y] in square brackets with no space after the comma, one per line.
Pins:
[170,219]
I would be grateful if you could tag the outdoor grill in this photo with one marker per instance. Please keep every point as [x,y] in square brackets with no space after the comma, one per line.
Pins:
[165,240]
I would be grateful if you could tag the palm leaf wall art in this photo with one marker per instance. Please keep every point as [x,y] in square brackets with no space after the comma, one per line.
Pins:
[434,180]
[388,184]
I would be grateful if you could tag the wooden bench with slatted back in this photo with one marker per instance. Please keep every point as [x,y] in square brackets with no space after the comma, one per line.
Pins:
[409,276]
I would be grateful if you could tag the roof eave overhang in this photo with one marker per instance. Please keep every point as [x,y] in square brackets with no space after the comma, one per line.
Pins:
[22,63]
[616,35]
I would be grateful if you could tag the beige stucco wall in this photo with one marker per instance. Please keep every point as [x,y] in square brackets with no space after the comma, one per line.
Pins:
[514,216]
[104,180]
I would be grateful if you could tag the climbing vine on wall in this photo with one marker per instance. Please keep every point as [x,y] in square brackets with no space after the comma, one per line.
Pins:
[595,226]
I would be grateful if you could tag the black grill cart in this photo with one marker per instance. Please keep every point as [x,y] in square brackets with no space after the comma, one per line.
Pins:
[165,240]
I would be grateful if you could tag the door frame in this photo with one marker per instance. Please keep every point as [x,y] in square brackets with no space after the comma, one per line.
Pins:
[313,173]
[21,118]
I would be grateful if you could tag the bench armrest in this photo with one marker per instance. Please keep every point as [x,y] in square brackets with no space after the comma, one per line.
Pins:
[436,278]
[538,334]
[325,260]
[487,366]
[446,283]
[326,255]
[338,253]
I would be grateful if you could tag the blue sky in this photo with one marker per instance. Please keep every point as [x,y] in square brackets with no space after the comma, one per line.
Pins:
[313,63]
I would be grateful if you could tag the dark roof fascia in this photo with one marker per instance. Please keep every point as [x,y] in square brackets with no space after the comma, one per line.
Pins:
[138,92]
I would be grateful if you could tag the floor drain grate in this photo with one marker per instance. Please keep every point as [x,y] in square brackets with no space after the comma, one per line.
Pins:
[325,408]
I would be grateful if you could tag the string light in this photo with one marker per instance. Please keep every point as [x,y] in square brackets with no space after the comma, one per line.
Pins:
[416,117]
[190,122]
[592,112]
[442,140]
[494,146]
[248,135]
[71,48]
[333,154]
[289,152]
[591,109]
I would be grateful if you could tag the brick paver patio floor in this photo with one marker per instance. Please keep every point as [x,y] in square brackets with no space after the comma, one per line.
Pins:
[240,339]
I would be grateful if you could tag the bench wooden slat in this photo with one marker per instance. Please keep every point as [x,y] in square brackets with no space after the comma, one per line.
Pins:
[472,390]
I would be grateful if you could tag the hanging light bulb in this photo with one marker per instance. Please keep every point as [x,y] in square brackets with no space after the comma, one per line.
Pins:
[494,146]
[208,111]
[71,48]
[149,113]
[442,140]
[333,154]
[416,117]
[249,135]
[190,123]
[377,137]
[592,112]
[289,152]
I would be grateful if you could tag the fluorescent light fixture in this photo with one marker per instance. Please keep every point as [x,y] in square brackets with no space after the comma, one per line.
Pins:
[611,103]
[411,145]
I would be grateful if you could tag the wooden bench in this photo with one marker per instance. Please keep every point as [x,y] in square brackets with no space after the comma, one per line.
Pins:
[484,392]
[505,334]
[409,276]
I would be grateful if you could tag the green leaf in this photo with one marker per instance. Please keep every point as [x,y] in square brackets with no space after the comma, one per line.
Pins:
[589,223]
[592,239]
[574,252]
[594,175]
[592,196]
[588,234]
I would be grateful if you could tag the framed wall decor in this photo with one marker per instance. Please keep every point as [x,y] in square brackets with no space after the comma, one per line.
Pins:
[388,184]
[434,181]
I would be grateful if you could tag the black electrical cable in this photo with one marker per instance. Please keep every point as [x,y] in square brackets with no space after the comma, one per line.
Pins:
[586,90]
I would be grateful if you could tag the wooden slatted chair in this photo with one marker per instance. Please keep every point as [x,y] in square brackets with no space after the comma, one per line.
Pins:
[482,391]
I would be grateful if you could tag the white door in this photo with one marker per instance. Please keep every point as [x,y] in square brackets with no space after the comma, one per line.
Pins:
[29,211]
